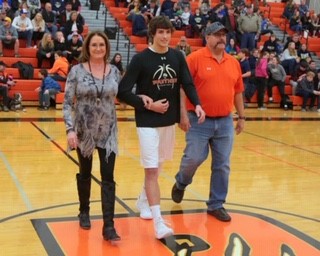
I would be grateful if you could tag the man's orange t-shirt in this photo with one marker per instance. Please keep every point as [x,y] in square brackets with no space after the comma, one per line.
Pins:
[216,83]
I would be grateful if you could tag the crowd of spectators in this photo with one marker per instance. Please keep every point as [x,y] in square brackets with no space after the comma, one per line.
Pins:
[37,22]
[269,61]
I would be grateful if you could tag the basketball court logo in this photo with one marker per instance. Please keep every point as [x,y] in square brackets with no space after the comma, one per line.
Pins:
[196,233]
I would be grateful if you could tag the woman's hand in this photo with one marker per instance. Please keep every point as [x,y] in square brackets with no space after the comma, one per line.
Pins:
[72,140]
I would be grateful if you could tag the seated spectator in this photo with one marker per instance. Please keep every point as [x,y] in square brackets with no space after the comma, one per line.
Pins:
[65,15]
[289,59]
[183,46]
[265,22]
[295,23]
[9,37]
[76,5]
[73,25]
[140,24]
[303,8]
[167,8]
[307,25]
[305,89]
[153,9]
[39,28]
[6,11]
[232,48]
[316,24]
[133,8]
[60,42]
[303,53]
[205,7]
[277,77]
[60,68]
[48,89]
[24,27]
[272,45]
[58,6]
[4,87]
[197,22]
[117,61]
[299,73]
[74,47]
[289,9]
[185,16]
[317,87]
[34,7]
[46,50]
[50,19]
[23,6]
[294,38]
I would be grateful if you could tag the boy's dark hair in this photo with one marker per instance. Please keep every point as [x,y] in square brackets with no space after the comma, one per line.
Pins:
[162,22]
[59,53]
[245,51]
[44,72]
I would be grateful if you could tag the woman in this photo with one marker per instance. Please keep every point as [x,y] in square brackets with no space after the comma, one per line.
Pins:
[290,58]
[73,25]
[39,27]
[262,78]
[117,61]
[46,50]
[232,48]
[91,125]
[277,77]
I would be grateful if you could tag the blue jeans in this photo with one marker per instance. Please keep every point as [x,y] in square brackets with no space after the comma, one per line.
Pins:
[216,134]
[44,98]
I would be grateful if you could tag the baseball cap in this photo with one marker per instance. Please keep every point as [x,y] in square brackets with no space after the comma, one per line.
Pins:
[7,19]
[75,34]
[215,27]
[24,11]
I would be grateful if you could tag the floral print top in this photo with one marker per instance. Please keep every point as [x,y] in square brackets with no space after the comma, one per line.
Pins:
[89,109]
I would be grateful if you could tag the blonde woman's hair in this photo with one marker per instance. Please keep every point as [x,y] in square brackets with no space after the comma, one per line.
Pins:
[44,41]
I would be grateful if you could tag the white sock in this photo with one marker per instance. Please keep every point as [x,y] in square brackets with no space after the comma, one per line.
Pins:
[156,213]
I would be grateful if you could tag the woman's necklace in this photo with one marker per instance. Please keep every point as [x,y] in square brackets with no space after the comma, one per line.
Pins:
[99,93]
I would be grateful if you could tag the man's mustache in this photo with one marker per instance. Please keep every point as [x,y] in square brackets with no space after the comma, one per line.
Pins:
[220,42]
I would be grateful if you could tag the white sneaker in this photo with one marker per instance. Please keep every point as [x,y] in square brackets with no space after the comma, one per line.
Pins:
[161,229]
[144,208]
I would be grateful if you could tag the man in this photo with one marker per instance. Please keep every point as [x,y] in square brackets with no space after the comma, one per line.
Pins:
[24,26]
[157,109]
[249,26]
[9,37]
[50,19]
[218,80]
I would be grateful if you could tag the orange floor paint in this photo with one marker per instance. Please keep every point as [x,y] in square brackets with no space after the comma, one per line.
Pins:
[195,234]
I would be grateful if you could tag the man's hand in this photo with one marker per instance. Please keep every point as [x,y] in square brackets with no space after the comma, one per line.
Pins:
[200,114]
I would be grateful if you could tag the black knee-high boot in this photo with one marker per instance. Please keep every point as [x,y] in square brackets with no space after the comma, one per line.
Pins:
[84,188]
[107,201]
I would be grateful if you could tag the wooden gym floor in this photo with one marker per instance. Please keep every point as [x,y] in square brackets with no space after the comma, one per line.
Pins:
[274,192]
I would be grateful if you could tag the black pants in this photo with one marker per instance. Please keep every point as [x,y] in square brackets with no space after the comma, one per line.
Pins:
[106,165]
[4,94]
[280,85]
[261,84]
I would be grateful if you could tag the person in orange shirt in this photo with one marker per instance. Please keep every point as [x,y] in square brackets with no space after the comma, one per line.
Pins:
[60,68]
[218,80]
